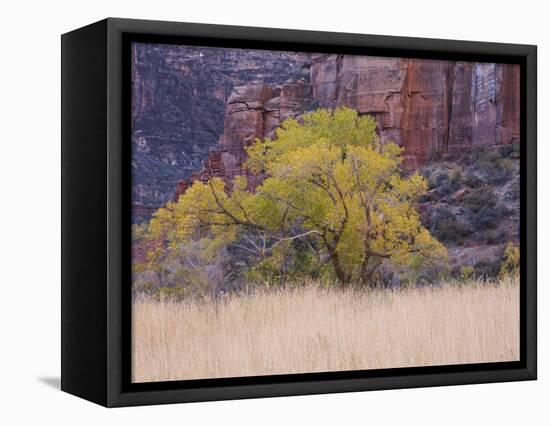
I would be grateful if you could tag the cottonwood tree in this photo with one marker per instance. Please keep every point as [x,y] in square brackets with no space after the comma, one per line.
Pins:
[327,178]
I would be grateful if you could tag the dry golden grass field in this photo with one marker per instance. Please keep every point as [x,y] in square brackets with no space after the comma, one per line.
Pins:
[313,329]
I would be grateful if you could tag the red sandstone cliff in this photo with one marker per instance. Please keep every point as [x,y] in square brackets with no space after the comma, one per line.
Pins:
[253,111]
[429,107]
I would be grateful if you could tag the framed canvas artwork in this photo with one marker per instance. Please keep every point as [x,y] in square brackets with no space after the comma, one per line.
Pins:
[255,212]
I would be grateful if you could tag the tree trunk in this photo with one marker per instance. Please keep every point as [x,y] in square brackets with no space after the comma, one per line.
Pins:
[342,276]
[368,267]
[364,271]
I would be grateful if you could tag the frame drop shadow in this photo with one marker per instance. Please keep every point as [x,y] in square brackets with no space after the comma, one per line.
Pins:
[53,382]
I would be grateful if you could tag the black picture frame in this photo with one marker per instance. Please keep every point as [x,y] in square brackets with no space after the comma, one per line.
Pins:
[96,213]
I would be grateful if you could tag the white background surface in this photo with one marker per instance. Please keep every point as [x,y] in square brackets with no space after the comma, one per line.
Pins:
[30,212]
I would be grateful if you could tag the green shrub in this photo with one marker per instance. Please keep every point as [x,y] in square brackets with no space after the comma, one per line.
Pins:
[494,236]
[486,218]
[478,153]
[486,268]
[448,187]
[515,150]
[177,293]
[466,272]
[510,261]
[454,176]
[479,198]
[493,156]
[494,165]
[511,150]
[292,262]
[452,231]
[441,213]
[507,150]
[436,180]
[501,171]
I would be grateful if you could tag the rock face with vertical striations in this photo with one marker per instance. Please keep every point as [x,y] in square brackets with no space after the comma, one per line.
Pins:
[368,84]
[195,110]
[430,107]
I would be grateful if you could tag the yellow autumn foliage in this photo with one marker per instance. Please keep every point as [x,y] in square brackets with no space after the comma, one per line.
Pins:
[327,177]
